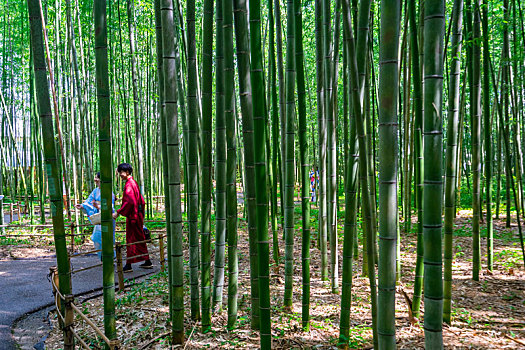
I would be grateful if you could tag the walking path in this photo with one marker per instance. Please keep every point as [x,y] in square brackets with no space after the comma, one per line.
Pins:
[25,287]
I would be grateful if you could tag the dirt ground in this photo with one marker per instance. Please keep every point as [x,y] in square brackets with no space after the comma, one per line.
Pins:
[487,314]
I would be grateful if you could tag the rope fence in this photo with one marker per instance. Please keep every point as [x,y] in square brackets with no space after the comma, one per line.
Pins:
[66,310]
[72,227]
[119,247]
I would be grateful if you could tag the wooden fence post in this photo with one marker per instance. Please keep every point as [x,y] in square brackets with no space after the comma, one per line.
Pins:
[11,212]
[72,243]
[161,252]
[69,316]
[120,272]
[54,276]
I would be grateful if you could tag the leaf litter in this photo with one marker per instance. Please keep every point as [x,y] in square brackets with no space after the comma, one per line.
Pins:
[486,314]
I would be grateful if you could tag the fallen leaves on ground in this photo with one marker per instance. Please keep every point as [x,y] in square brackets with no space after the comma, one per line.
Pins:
[487,314]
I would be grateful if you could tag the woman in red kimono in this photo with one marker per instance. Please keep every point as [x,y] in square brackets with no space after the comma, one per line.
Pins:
[133,209]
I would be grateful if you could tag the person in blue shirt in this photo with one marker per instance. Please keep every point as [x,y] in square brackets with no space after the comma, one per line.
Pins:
[92,206]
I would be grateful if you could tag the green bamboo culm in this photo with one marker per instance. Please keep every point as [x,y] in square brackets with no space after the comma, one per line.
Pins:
[245,91]
[487,124]
[220,161]
[192,176]
[275,135]
[231,161]
[289,173]
[476,141]
[329,166]
[259,119]
[164,150]
[418,155]
[362,47]
[170,116]
[433,182]
[106,168]
[205,248]
[321,132]
[388,159]
[351,188]
[506,148]
[363,166]
[52,163]
[303,149]
[137,117]
[451,155]
[2,156]
[331,74]
[505,92]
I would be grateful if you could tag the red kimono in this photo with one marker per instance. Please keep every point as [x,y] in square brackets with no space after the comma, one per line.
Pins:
[133,209]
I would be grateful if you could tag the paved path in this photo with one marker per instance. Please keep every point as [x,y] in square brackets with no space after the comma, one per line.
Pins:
[24,287]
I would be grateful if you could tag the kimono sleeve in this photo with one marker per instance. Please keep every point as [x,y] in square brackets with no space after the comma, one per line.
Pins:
[88,204]
[128,202]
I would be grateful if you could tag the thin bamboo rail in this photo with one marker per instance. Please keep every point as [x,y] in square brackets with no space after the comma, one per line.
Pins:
[89,322]
[68,318]
[85,268]
[77,337]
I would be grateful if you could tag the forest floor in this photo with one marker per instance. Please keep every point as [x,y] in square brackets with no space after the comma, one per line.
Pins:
[487,314]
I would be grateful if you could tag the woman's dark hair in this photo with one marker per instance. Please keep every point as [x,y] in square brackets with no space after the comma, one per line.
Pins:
[97,175]
[125,167]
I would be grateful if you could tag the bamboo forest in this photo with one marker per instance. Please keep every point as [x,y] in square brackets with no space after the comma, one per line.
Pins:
[299,174]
